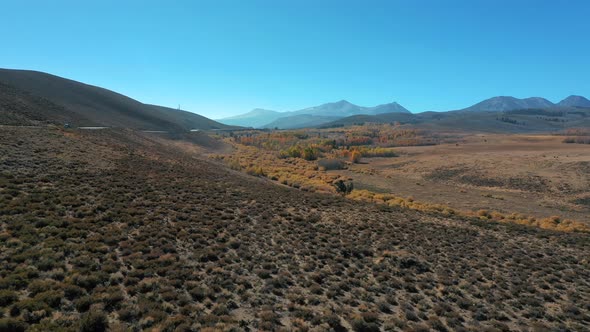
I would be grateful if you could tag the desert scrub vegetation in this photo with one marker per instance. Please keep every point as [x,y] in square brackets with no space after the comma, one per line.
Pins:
[343,188]
[577,140]
[576,136]
[297,151]
[369,140]
[293,170]
[116,230]
[289,157]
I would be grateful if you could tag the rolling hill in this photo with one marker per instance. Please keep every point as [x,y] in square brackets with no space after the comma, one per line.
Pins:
[18,107]
[575,101]
[31,97]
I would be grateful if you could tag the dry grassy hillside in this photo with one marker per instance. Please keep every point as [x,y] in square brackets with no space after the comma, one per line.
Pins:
[122,229]
[34,97]
[20,108]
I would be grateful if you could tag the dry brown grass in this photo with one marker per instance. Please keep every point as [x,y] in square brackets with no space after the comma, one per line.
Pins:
[258,158]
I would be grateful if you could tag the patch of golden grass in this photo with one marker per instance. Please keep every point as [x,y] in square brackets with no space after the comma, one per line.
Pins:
[306,175]
[553,223]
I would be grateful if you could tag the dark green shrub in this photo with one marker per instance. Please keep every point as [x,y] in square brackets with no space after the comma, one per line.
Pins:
[343,188]
[94,321]
[263,273]
[410,315]
[83,304]
[370,317]
[7,297]
[127,314]
[40,286]
[51,298]
[220,310]
[335,324]
[73,292]
[90,281]
[198,293]
[12,325]
[47,263]
[112,300]
[15,281]
[360,325]
[32,305]
[34,316]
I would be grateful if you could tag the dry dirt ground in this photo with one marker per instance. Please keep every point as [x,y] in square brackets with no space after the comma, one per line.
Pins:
[125,230]
[534,175]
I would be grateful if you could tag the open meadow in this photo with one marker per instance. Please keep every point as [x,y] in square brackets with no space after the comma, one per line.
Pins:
[535,175]
[534,179]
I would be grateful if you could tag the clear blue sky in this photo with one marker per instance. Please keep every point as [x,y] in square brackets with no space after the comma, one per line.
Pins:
[219,58]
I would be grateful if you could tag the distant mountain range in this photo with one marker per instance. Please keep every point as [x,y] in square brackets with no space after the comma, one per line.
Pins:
[332,112]
[256,118]
[300,121]
[317,115]
[494,115]
[32,98]
[35,98]
[505,103]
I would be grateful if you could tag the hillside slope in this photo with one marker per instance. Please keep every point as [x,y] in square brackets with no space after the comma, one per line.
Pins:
[18,107]
[130,232]
[575,101]
[86,105]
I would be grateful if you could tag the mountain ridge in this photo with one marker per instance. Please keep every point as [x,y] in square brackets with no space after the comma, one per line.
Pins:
[508,103]
[535,120]
[261,118]
[255,118]
[83,104]
[575,101]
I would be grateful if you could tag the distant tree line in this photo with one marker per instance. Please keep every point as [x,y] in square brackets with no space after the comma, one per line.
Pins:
[512,121]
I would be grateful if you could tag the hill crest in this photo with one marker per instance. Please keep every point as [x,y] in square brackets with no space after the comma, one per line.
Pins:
[509,103]
[86,105]
[575,101]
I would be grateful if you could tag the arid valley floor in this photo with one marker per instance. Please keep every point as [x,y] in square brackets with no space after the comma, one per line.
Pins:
[532,174]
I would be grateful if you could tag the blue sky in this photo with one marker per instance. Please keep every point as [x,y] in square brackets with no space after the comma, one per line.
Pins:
[220,58]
